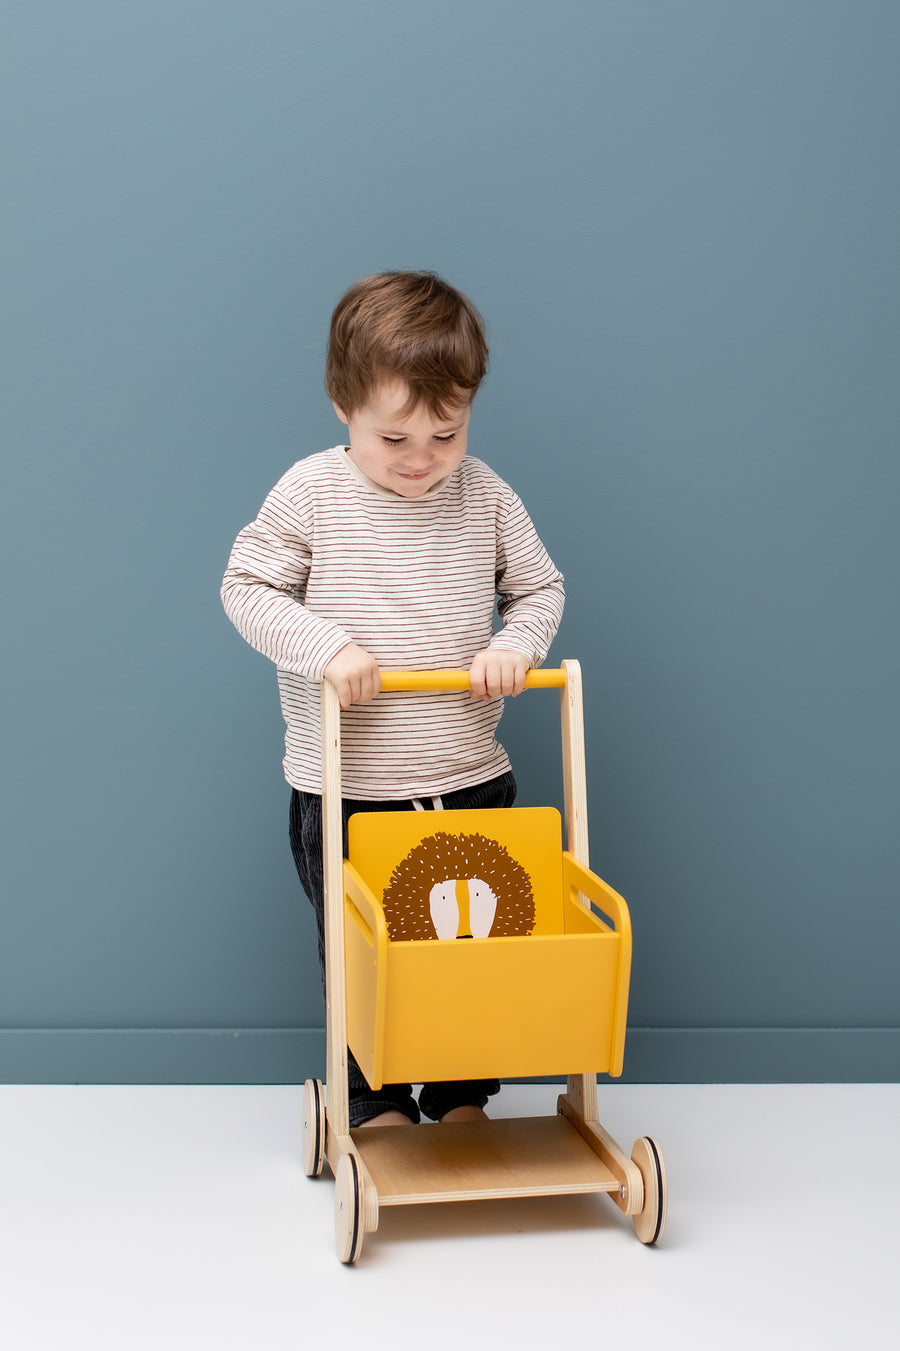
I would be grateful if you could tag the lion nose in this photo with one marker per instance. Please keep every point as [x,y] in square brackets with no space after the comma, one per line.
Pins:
[463,894]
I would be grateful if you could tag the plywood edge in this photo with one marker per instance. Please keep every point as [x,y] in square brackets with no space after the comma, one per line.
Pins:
[629,1192]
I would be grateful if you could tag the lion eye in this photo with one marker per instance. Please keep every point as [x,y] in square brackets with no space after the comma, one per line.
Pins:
[482,907]
[444,909]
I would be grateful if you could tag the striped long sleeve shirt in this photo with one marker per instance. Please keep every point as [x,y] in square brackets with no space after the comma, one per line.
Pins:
[333,558]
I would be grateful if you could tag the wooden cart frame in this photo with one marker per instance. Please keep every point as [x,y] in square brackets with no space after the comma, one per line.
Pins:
[540,1156]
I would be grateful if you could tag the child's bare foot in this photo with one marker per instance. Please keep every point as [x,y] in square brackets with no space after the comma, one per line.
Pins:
[468,1113]
[389,1118]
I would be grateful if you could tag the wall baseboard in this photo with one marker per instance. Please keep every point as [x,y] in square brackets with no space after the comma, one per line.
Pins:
[172,1056]
[277,1056]
[758,1055]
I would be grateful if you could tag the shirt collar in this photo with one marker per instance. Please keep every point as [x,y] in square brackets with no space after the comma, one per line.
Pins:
[343,453]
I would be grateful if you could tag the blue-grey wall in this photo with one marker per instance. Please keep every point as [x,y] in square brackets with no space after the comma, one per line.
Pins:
[681,222]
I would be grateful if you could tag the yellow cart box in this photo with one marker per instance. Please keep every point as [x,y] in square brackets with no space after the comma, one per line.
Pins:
[551,1000]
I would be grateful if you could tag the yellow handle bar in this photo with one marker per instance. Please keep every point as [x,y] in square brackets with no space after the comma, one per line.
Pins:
[392,681]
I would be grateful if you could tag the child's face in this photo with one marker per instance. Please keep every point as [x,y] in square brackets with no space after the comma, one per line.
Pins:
[410,454]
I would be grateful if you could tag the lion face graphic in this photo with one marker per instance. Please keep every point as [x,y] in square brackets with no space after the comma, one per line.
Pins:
[458,886]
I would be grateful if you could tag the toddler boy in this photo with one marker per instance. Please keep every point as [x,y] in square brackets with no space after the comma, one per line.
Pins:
[390,552]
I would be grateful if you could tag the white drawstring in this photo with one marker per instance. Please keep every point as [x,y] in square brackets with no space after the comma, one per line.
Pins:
[436,804]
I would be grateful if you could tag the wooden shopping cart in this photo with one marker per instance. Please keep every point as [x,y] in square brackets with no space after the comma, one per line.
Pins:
[544,980]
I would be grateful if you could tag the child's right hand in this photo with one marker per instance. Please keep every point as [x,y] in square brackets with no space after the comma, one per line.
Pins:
[355,675]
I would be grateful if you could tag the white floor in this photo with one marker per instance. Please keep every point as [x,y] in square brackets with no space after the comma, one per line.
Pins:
[172,1218]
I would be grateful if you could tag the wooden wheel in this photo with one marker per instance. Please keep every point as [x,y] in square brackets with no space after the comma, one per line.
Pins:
[650,1221]
[348,1210]
[313,1128]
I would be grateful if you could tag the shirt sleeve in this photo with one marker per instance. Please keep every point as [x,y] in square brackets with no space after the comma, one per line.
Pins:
[529,587]
[264,586]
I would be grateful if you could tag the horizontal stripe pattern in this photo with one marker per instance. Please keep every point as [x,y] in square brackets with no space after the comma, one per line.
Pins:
[332,558]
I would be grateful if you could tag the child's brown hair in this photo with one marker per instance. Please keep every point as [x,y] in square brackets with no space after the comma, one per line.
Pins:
[408,326]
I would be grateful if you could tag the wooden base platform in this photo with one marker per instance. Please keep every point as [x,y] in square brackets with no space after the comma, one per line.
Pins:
[481,1160]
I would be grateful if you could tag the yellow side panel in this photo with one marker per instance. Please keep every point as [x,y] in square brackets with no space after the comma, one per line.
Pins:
[365,996]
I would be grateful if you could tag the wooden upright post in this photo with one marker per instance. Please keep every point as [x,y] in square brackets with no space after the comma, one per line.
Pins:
[335,975]
[581,1088]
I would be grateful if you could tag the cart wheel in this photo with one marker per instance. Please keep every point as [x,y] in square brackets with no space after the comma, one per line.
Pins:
[348,1217]
[650,1221]
[313,1128]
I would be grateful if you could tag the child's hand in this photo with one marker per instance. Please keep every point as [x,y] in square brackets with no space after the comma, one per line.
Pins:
[495,672]
[355,675]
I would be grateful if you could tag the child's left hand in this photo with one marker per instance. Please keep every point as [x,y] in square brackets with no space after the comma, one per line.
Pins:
[496,672]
